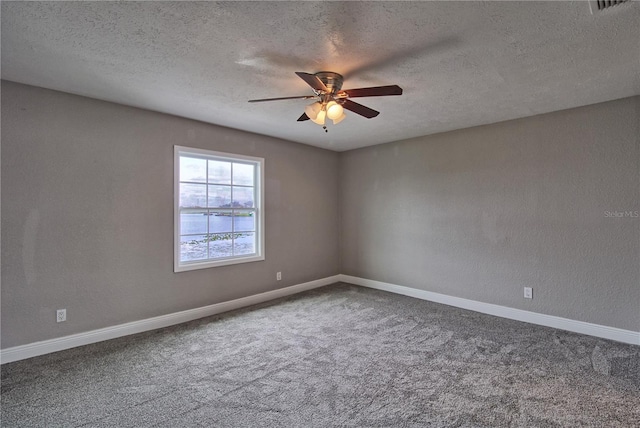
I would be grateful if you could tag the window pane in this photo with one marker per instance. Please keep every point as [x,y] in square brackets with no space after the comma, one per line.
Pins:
[220,245]
[220,196]
[219,172]
[193,195]
[193,222]
[243,174]
[193,248]
[245,243]
[243,197]
[220,221]
[193,169]
[244,222]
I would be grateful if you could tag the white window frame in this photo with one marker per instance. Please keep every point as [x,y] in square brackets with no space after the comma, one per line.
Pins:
[179,266]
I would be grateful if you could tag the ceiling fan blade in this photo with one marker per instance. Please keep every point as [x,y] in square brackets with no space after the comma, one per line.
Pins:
[360,109]
[313,81]
[376,91]
[302,97]
[303,117]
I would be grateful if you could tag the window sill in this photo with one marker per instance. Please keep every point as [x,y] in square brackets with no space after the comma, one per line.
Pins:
[217,263]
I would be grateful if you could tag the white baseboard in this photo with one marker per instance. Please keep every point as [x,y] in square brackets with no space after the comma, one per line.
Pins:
[612,333]
[59,344]
[53,345]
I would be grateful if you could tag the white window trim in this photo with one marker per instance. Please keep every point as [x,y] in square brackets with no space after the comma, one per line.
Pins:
[179,266]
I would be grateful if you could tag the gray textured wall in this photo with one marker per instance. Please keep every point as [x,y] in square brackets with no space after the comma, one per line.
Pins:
[478,213]
[481,213]
[87,215]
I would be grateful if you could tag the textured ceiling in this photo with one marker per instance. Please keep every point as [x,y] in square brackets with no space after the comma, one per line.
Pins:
[460,64]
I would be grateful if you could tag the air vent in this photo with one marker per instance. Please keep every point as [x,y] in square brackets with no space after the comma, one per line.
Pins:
[600,5]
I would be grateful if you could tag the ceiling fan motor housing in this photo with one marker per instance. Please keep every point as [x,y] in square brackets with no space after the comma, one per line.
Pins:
[333,81]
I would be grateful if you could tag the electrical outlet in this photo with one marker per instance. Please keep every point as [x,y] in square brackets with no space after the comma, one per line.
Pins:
[61,315]
[528,293]
[279,276]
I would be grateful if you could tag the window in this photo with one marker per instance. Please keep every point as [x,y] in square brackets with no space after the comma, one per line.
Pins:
[218,200]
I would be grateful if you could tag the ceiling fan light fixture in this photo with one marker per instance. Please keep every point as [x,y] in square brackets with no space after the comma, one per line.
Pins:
[312,110]
[334,110]
[320,117]
[339,119]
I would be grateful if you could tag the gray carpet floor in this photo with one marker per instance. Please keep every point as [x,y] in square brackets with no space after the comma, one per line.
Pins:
[339,356]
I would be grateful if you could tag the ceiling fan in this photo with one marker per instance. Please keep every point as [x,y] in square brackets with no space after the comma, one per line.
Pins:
[332,99]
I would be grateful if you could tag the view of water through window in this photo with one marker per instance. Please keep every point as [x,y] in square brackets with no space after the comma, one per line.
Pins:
[227,235]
